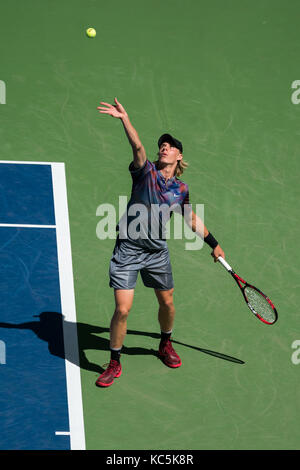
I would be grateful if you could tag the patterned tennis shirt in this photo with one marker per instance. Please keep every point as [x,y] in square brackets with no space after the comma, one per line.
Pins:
[152,202]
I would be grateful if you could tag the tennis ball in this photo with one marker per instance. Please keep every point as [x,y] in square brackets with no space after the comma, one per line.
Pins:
[91,32]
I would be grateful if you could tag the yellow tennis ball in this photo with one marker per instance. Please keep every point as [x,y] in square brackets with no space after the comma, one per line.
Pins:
[91,32]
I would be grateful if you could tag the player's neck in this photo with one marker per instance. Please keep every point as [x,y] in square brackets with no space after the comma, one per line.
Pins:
[167,170]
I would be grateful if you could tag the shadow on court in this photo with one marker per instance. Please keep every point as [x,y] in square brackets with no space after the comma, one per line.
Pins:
[51,327]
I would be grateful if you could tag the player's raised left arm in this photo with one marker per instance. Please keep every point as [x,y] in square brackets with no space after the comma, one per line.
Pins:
[118,111]
[138,150]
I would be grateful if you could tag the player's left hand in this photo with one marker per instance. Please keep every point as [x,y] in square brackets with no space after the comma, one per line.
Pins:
[217,252]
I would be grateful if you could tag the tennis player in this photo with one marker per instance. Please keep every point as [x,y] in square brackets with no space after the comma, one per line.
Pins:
[153,184]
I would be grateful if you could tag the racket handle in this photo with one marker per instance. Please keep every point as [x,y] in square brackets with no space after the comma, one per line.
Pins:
[224,263]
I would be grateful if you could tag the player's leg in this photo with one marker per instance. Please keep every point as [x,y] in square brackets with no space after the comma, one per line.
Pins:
[166,316]
[166,311]
[118,325]
[157,273]
[118,328]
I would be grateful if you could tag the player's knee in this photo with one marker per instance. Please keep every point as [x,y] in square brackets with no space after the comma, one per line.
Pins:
[122,312]
[167,302]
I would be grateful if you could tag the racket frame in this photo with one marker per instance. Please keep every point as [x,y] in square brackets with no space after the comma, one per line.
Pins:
[239,282]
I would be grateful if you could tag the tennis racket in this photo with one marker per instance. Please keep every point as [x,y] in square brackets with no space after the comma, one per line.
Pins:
[259,303]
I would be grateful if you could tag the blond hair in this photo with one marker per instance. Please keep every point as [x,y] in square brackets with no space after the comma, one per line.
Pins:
[181,166]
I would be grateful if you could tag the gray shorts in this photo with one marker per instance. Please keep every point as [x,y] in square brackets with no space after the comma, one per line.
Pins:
[129,259]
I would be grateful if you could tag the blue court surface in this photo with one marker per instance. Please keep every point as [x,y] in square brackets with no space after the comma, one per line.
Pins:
[40,394]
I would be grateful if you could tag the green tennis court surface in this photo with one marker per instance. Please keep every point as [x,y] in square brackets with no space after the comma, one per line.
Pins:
[218,75]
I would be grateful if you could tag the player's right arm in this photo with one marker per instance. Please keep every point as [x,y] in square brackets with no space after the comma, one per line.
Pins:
[117,111]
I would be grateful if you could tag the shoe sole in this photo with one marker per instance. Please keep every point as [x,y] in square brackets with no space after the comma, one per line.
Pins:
[99,384]
[173,366]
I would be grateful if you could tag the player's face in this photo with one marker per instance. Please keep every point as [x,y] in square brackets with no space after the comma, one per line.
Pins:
[168,153]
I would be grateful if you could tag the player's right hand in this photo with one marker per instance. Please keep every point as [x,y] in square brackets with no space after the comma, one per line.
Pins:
[115,110]
[217,252]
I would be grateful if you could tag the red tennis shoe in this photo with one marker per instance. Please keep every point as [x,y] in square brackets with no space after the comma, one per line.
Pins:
[168,354]
[113,371]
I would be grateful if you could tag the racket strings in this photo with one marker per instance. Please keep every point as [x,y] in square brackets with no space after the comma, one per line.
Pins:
[260,304]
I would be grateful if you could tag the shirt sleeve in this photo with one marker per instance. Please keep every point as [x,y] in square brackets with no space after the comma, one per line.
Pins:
[186,199]
[139,173]
[186,206]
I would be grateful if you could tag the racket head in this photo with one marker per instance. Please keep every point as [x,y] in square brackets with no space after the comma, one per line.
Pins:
[260,305]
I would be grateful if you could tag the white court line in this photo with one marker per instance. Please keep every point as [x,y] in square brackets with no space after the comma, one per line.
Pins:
[62,433]
[77,435]
[27,162]
[27,225]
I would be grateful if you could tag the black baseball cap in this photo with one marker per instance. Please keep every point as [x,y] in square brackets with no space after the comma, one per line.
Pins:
[171,140]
